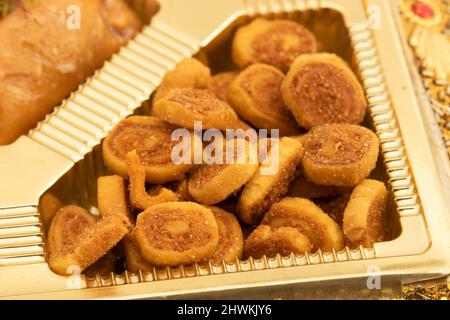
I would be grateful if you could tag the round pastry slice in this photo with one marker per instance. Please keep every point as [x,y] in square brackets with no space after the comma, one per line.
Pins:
[133,256]
[212,183]
[323,232]
[231,240]
[365,218]
[221,82]
[256,96]
[182,107]
[274,42]
[320,89]
[189,73]
[175,233]
[264,241]
[271,181]
[339,155]
[302,188]
[152,140]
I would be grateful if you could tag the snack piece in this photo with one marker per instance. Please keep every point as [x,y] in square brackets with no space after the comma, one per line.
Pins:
[139,198]
[49,204]
[302,188]
[266,188]
[335,206]
[256,96]
[152,140]
[339,155]
[221,82]
[42,61]
[133,256]
[182,107]
[175,233]
[103,267]
[302,214]
[188,73]
[91,245]
[321,89]
[231,240]
[212,183]
[365,219]
[111,198]
[264,241]
[274,42]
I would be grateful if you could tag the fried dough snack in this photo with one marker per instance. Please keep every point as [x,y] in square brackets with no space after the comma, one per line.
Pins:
[42,60]
[335,206]
[111,197]
[139,197]
[321,89]
[221,82]
[175,233]
[256,96]
[302,214]
[339,155]
[91,245]
[182,107]
[188,73]
[231,240]
[275,42]
[104,266]
[133,256]
[284,241]
[212,183]
[365,219]
[264,190]
[48,207]
[151,138]
[302,188]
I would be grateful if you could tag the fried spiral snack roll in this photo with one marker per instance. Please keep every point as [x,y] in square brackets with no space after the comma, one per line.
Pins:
[339,155]
[48,207]
[274,42]
[256,96]
[91,245]
[111,197]
[133,256]
[231,240]
[152,140]
[212,183]
[175,233]
[302,214]
[221,82]
[182,107]
[188,73]
[302,188]
[265,189]
[365,219]
[321,89]
[139,197]
[264,241]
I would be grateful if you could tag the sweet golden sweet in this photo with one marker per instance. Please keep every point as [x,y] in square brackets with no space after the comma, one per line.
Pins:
[152,140]
[365,218]
[265,241]
[221,82]
[175,233]
[111,197]
[321,89]
[183,107]
[133,255]
[302,214]
[255,94]
[339,155]
[274,42]
[188,73]
[264,189]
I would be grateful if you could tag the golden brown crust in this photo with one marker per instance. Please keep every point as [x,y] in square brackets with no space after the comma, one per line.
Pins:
[133,256]
[152,140]
[365,219]
[111,197]
[221,82]
[188,73]
[182,107]
[265,189]
[49,204]
[323,232]
[321,89]
[264,241]
[176,233]
[339,155]
[256,96]
[275,42]
[139,197]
